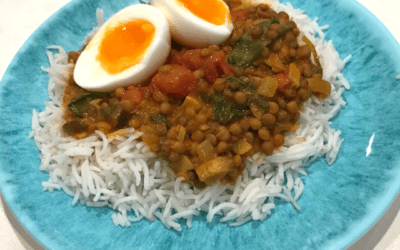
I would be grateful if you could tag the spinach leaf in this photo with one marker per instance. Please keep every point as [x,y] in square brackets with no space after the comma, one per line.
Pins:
[259,101]
[245,52]
[236,111]
[80,104]
[159,118]
[219,108]
[225,111]
[285,29]
[244,85]
[265,25]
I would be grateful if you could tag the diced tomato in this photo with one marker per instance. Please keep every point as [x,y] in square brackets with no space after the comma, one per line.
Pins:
[283,81]
[175,57]
[240,15]
[134,94]
[214,65]
[179,82]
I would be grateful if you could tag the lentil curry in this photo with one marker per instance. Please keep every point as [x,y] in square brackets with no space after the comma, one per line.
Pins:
[206,110]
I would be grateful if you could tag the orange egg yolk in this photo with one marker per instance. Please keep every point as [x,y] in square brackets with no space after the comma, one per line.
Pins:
[212,11]
[124,45]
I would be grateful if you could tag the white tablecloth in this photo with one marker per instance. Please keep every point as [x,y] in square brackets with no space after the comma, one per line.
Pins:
[19,18]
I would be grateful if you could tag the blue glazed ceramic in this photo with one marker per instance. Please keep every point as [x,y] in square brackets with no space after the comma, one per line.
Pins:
[339,204]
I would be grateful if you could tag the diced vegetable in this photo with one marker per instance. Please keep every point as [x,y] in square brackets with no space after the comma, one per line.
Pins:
[239,15]
[275,63]
[294,75]
[186,164]
[313,51]
[213,170]
[181,134]
[205,150]
[179,82]
[192,101]
[283,82]
[322,87]
[214,65]
[134,94]
[268,87]
[183,175]
[242,147]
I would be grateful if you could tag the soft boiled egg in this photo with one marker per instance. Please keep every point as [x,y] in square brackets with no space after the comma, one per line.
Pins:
[196,23]
[127,50]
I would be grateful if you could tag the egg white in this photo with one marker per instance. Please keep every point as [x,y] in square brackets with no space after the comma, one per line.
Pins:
[90,75]
[190,30]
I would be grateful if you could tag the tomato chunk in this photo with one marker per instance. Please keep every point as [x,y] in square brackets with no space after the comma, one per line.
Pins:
[134,94]
[214,65]
[283,81]
[175,57]
[239,15]
[179,82]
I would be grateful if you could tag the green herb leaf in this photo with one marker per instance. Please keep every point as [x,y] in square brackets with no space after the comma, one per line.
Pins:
[225,112]
[285,29]
[245,52]
[80,104]
[244,85]
[265,25]
[259,101]
[160,119]
[219,108]
[236,111]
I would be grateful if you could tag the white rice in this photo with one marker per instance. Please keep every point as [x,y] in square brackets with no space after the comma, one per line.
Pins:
[122,174]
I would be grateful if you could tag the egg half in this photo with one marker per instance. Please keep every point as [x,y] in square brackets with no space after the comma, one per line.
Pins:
[127,50]
[196,23]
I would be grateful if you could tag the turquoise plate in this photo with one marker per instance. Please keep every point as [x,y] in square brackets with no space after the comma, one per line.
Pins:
[339,204]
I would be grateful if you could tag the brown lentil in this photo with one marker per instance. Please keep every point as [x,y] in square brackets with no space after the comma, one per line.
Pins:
[198,136]
[291,107]
[255,124]
[278,140]
[240,97]
[222,147]
[267,147]
[237,160]
[268,120]
[263,133]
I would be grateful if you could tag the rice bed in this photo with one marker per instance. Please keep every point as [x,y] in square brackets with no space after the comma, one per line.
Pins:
[122,174]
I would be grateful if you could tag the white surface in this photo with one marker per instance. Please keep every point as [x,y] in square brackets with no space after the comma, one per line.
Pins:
[19,18]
